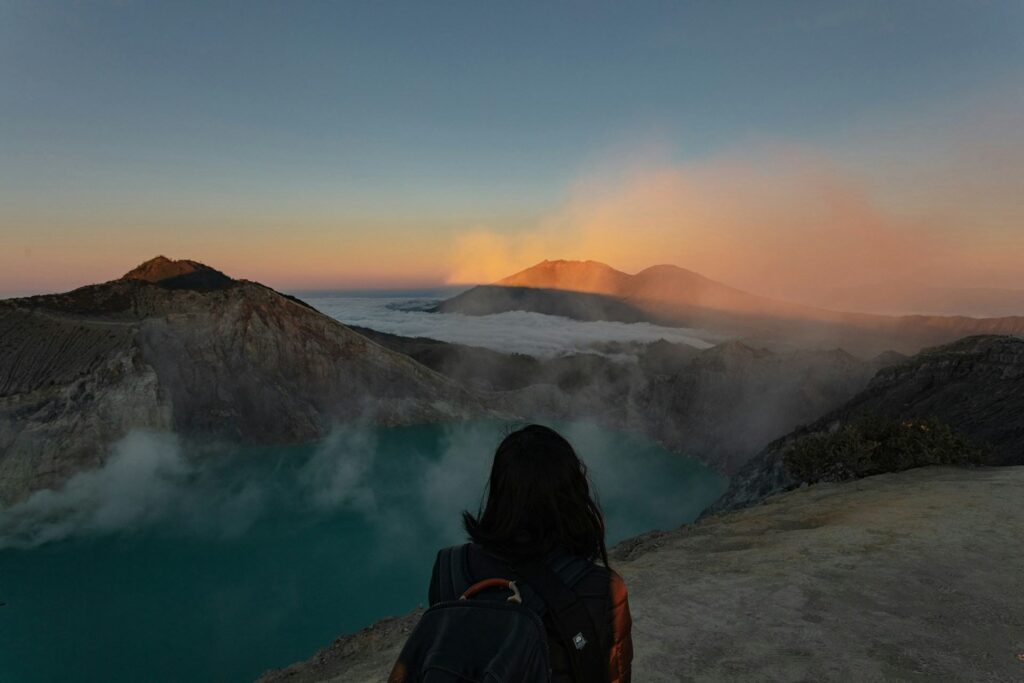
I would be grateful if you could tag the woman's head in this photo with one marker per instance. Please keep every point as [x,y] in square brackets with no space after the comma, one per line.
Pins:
[538,497]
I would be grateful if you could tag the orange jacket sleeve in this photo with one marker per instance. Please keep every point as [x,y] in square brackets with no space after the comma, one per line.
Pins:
[620,657]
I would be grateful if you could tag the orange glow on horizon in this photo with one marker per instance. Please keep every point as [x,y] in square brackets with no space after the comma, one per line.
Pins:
[782,222]
[785,223]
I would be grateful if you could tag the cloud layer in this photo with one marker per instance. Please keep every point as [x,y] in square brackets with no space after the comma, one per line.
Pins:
[513,332]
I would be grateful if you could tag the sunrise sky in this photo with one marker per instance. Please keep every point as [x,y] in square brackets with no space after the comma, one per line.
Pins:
[778,146]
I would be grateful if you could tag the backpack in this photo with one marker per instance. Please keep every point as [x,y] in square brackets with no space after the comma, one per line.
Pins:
[492,631]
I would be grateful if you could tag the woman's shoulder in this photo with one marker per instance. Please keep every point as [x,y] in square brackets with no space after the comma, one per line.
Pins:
[600,581]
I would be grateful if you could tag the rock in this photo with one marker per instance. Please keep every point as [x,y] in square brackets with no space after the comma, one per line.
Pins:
[176,345]
[725,403]
[360,656]
[974,386]
[183,274]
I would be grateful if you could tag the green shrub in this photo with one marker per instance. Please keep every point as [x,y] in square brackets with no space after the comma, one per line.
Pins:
[873,445]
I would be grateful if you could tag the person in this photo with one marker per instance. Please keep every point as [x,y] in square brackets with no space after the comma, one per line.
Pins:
[539,511]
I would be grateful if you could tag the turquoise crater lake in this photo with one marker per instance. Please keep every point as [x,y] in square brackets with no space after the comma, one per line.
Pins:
[157,568]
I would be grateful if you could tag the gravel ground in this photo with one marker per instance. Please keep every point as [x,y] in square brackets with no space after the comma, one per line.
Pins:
[917,576]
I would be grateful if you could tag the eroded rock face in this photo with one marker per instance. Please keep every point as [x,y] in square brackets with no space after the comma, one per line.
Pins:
[975,386]
[896,577]
[729,400]
[69,388]
[237,360]
[720,405]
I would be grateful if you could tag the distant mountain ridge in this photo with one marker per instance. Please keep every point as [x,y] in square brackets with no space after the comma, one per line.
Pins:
[661,284]
[673,296]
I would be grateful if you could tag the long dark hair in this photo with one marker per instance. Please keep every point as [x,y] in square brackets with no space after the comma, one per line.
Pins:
[538,498]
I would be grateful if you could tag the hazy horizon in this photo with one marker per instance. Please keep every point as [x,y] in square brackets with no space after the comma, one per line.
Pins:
[885,298]
[783,149]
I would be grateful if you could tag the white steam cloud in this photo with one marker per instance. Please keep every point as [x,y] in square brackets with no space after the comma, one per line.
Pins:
[140,483]
[455,481]
[403,487]
[334,481]
[149,479]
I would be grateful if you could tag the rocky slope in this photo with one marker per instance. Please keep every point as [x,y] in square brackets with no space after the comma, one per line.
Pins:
[670,295]
[974,386]
[720,405]
[910,576]
[726,402]
[178,345]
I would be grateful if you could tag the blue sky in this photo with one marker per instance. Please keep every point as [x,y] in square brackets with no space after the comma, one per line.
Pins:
[428,117]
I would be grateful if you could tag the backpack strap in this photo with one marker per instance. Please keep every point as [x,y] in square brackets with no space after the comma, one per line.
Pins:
[570,568]
[453,571]
[569,616]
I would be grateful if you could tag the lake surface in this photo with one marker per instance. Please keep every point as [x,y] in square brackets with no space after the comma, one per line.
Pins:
[160,569]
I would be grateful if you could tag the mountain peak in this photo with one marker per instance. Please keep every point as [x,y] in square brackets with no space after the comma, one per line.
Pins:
[668,269]
[162,268]
[179,274]
[579,276]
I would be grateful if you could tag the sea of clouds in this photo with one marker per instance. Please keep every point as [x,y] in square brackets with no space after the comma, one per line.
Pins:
[535,334]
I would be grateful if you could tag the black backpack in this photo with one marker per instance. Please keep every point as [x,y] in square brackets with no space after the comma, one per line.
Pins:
[492,631]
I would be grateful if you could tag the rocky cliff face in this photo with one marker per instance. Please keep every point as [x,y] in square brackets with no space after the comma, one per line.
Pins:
[872,580]
[192,351]
[974,386]
[729,400]
[69,386]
